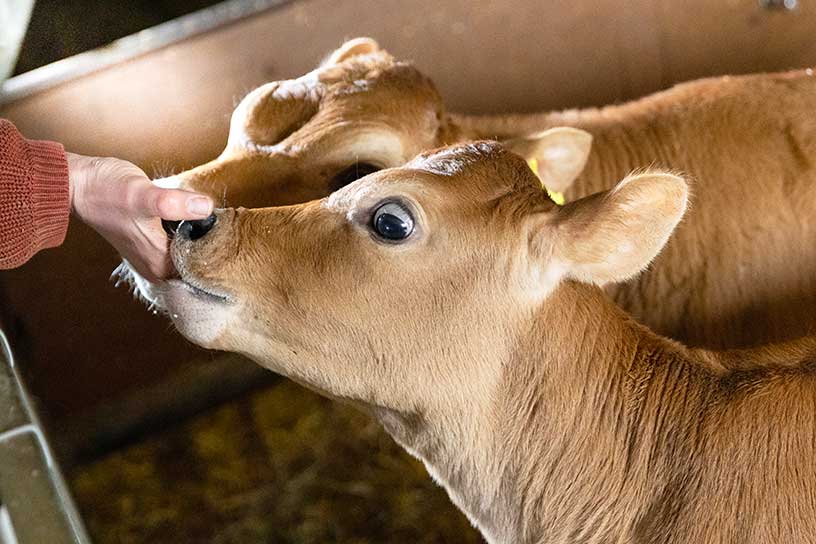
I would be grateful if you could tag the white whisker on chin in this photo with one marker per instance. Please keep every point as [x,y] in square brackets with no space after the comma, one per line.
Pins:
[142,289]
[122,274]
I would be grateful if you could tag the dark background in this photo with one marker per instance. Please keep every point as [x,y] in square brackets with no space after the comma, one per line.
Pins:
[59,29]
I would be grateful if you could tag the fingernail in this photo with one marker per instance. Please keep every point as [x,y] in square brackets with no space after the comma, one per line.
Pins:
[199,205]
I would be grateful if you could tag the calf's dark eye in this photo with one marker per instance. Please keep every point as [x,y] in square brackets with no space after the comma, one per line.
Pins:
[352,173]
[393,222]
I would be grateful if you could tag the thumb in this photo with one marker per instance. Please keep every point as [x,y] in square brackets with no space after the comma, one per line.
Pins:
[174,204]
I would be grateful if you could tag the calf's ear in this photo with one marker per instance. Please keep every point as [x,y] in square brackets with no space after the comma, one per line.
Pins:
[273,111]
[611,236]
[560,153]
[352,48]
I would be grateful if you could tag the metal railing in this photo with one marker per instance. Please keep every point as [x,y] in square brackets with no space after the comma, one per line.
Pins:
[35,505]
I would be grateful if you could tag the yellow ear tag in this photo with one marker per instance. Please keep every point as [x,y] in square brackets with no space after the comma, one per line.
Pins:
[558,198]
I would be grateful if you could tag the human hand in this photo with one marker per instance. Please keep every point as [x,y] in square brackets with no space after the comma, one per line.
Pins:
[119,201]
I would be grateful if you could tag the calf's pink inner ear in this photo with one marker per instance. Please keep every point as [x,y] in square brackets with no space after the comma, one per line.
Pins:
[611,236]
[561,154]
[353,48]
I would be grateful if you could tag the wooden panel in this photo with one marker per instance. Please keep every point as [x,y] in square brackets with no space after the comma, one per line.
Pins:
[170,109]
[700,37]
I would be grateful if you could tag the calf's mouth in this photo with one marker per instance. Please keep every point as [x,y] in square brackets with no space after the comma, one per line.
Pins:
[206,293]
[199,287]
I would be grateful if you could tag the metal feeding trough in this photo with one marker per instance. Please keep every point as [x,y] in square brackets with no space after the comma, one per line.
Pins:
[35,505]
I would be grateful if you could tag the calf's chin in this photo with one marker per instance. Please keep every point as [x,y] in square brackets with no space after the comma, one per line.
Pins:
[199,320]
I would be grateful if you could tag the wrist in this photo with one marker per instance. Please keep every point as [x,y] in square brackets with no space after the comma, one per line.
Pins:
[80,170]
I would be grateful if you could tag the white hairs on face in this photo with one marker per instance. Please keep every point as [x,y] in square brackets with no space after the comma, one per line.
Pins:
[306,87]
[452,160]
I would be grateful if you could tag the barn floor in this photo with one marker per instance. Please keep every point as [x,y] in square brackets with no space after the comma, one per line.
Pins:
[280,465]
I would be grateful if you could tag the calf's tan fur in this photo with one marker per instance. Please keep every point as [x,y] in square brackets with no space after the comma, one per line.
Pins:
[484,345]
[739,273]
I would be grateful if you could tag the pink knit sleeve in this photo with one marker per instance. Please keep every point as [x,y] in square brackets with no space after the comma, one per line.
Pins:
[34,203]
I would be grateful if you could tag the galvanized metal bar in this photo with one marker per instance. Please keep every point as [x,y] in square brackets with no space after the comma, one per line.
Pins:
[37,506]
[147,40]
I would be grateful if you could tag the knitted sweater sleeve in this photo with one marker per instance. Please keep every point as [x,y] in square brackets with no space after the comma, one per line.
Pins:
[34,201]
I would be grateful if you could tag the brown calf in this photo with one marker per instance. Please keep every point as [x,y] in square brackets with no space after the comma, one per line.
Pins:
[457,304]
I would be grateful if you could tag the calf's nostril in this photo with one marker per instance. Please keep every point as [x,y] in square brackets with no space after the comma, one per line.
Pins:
[193,230]
[170,227]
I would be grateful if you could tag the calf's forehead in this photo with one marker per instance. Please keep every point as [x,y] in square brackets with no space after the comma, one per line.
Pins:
[385,107]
